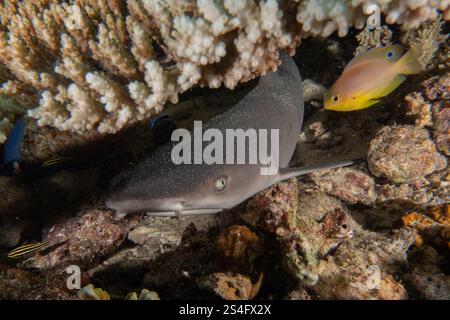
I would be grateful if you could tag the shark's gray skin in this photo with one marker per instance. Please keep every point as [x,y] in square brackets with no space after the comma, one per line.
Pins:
[159,187]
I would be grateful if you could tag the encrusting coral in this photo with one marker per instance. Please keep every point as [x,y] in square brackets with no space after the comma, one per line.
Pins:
[100,65]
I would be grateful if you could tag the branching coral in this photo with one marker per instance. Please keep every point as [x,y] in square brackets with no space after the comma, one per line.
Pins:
[102,65]
[323,17]
[15,99]
[369,39]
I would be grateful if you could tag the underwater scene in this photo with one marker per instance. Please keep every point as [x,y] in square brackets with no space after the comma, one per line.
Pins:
[224,150]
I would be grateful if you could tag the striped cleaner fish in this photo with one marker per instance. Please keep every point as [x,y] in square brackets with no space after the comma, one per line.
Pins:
[372,75]
[57,160]
[28,249]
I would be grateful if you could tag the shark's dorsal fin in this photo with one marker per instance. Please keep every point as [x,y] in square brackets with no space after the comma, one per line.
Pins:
[287,173]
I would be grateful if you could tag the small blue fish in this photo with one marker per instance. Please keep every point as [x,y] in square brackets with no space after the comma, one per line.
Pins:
[13,164]
[11,148]
[162,128]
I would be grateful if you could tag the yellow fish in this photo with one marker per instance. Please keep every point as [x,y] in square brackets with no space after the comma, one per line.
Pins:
[371,76]
[28,248]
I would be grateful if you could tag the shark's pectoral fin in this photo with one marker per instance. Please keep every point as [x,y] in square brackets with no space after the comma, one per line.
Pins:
[287,173]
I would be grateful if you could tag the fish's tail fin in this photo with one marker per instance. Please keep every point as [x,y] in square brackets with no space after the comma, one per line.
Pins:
[288,173]
[411,61]
[27,249]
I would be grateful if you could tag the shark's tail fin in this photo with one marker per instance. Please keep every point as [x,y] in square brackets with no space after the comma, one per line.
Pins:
[288,173]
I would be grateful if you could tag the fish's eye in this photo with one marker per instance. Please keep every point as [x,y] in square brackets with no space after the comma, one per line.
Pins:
[221,183]
[335,98]
[390,54]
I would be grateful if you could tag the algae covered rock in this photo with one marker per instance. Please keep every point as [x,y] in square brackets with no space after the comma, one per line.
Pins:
[349,185]
[430,107]
[404,154]
[326,252]
[240,248]
[83,240]
[442,128]
[231,286]
[426,278]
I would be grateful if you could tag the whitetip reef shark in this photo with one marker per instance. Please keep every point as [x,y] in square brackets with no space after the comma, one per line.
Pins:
[159,187]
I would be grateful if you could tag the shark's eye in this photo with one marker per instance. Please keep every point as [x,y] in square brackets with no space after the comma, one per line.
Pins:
[221,183]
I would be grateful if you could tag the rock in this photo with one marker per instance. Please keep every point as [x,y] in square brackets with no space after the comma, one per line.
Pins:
[174,273]
[309,242]
[383,217]
[426,279]
[433,226]
[364,268]
[20,284]
[419,108]
[231,286]
[325,250]
[315,203]
[305,237]
[391,290]
[441,127]
[153,237]
[275,208]
[298,294]
[436,88]
[431,107]
[430,286]
[269,210]
[11,232]
[349,185]
[15,211]
[240,248]
[15,197]
[404,154]
[84,239]
[160,236]
[433,190]
[227,267]
[166,233]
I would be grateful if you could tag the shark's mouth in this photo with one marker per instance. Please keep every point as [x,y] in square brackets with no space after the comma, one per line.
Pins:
[183,212]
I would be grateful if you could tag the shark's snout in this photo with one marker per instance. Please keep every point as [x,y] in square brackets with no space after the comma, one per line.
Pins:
[125,203]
